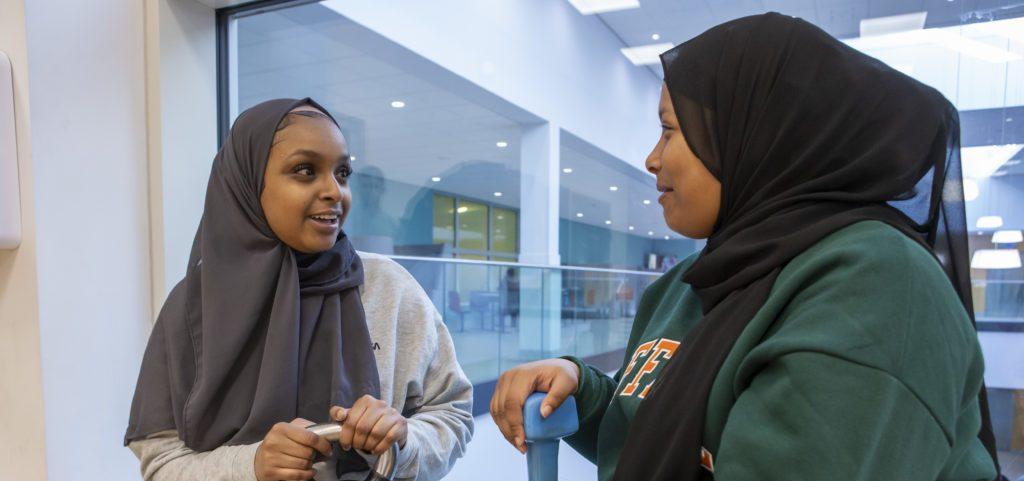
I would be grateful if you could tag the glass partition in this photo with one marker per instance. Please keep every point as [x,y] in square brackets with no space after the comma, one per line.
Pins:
[503,314]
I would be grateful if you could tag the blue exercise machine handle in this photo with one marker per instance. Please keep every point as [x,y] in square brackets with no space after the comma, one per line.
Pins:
[543,435]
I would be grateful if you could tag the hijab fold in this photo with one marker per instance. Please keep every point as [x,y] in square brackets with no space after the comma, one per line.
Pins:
[807,136]
[255,333]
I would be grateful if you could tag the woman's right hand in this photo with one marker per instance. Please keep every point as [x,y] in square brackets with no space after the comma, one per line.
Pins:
[287,452]
[557,377]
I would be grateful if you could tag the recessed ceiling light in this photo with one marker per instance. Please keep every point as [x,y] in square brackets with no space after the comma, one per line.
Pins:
[655,37]
[650,232]
[630,227]
[646,54]
[996,259]
[462,210]
[435,179]
[647,202]
[497,194]
[971,189]
[579,214]
[397,104]
[613,188]
[1007,237]
[990,222]
[607,222]
[567,170]
[352,158]
[588,7]
[666,237]
[501,144]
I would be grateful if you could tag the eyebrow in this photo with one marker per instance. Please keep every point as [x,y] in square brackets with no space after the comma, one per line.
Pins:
[344,159]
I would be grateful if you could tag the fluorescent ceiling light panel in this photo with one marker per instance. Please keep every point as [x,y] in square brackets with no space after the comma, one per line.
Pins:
[981,162]
[970,47]
[996,259]
[957,39]
[589,7]
[646,54]
[1007,237]
[1010,29]
[893,24]
[990,222]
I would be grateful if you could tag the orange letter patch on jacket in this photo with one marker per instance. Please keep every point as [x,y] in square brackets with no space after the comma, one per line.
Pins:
[652,352]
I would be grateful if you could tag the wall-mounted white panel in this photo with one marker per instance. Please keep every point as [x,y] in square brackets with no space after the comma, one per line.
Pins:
[10,194]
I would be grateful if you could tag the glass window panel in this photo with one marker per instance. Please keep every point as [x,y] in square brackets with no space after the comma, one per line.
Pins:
[412,134]
[472,226]
[444,219]
[504,233]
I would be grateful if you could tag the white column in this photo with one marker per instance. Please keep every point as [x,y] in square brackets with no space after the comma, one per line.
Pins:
[538,214]
[540,290]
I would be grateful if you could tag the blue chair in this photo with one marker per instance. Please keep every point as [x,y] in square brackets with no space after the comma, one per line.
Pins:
[543,435]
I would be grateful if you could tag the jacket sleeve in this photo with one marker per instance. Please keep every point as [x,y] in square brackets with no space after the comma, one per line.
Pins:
[593,395]
[440,414]
[164,457]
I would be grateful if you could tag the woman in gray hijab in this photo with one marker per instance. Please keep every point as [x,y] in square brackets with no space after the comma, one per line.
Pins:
[279,324]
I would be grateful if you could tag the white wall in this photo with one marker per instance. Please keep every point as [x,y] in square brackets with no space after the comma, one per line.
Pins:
[186,110]
[88,128]
[22,440]
[541,55]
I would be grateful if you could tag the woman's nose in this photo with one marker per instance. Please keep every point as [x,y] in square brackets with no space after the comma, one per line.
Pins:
[653,162]
[331,191]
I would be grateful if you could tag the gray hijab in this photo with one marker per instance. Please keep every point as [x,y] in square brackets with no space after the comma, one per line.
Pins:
[256,333]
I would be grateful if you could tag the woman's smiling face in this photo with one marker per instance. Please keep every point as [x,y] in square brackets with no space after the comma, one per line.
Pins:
[305,188]
[691,195]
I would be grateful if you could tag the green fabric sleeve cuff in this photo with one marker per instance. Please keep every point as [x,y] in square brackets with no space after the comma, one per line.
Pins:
[588,395]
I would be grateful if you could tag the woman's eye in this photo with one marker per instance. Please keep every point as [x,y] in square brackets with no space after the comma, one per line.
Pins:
[343,173]
[304,170]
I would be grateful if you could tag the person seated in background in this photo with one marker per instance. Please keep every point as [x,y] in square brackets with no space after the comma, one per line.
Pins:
[279,324]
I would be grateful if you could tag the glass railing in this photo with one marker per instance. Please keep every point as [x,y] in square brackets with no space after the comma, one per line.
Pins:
[503,314]
[999,304]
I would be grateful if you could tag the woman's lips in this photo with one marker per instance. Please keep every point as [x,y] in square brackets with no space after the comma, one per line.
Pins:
[326,226]
[664,194]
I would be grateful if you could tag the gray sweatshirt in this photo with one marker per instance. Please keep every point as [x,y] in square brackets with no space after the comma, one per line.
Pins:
[419,374]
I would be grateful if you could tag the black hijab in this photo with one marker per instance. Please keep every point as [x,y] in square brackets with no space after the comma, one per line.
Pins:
[256,333]
[806,136]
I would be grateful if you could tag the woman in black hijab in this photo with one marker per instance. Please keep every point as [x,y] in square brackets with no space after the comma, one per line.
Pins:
[279,323]
[825,331]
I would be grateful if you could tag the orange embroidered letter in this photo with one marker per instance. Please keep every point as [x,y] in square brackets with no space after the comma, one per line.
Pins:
[664,349]
[641,350]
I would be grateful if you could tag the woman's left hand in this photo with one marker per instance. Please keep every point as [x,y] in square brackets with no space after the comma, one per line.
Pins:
[370,425]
